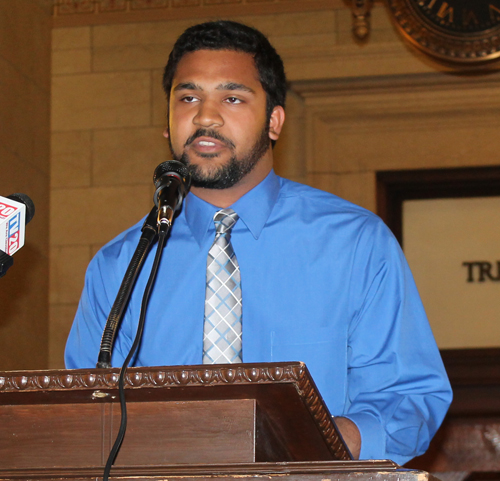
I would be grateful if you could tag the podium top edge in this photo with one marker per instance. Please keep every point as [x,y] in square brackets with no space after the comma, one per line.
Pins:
[153,377]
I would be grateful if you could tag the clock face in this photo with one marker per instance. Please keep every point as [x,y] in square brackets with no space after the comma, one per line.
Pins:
[460,31]
[460,16]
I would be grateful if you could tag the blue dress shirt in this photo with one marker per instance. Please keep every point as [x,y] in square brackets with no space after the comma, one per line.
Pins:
[323,281]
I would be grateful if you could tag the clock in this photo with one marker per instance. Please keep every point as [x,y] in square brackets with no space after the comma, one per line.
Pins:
[457,31]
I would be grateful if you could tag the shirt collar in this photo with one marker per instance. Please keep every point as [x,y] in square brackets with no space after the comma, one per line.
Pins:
[253,209]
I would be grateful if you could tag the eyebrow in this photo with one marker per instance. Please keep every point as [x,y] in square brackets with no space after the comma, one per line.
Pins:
[227,86]
[235,86]
[187,86]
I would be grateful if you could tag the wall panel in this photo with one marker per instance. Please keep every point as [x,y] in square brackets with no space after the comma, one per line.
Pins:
[25,29]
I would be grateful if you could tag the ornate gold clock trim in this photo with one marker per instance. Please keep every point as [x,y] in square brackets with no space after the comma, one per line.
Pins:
[450,31]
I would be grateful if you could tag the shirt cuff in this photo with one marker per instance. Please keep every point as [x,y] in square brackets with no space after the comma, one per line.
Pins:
[372,435]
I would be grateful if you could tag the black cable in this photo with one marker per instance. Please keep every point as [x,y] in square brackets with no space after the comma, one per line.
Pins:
[140,329]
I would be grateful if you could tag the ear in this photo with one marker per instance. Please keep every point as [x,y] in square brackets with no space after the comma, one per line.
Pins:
[276,122]
[166,133]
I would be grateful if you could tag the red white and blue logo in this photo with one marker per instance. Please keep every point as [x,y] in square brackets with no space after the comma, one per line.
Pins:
[11,215]
[13,234]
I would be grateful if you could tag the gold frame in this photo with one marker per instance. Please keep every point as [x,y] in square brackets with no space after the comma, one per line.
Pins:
[459,49]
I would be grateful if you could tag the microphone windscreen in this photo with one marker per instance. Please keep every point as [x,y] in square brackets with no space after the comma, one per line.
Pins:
[24,199]
[171,167]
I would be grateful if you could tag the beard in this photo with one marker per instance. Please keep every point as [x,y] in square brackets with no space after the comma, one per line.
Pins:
[229,174]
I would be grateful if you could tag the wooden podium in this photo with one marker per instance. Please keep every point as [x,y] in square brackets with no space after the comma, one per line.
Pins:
[229,421]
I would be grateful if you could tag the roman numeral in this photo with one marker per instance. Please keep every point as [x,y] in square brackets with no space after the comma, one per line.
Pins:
[494,13]
[469,17]
[429,5]
[446,11]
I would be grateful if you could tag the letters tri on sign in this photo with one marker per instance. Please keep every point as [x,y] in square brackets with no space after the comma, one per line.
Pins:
[481,271]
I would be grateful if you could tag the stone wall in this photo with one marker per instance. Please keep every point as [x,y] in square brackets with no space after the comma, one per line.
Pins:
[25,29]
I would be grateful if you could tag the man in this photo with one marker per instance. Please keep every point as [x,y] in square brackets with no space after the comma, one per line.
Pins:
[322,280]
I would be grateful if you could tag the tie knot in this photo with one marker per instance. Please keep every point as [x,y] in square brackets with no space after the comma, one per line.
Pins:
[224,221]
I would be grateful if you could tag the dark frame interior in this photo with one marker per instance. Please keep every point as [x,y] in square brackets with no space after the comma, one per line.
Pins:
[474,373]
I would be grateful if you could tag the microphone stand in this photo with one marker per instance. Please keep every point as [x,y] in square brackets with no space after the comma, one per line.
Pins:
[163,230]
[6,261]
[148,236]
[172,180]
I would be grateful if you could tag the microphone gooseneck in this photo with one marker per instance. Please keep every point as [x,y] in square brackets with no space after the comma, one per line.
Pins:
[172,181]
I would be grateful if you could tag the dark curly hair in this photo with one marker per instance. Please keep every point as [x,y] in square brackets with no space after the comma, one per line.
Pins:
[228,35]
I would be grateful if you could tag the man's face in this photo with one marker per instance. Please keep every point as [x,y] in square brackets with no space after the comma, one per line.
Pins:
[217,117]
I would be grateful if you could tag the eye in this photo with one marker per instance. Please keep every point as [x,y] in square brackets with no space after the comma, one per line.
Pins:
[233,100]
[189,99]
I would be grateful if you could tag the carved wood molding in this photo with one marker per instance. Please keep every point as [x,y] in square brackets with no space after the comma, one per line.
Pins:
[155,377]
[67,13]
[97,380]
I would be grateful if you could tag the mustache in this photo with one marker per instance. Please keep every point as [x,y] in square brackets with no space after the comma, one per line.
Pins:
[209,133]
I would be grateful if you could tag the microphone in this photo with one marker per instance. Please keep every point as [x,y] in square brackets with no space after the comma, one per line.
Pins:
[16,211]
[172,181]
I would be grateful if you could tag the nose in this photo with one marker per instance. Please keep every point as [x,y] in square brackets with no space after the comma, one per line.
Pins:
[208,115]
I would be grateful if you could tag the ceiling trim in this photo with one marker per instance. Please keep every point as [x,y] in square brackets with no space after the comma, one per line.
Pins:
[74,13]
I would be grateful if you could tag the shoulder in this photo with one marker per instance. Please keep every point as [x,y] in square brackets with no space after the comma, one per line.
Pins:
[116,253]
[333,222]
[315,204]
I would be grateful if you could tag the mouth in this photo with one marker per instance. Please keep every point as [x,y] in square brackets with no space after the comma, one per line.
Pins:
[207,146]
[206,142]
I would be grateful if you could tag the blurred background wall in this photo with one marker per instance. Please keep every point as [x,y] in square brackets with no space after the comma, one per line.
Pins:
[25,52]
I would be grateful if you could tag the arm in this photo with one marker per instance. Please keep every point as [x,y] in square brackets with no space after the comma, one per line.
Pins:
[350,434]
[102,281]
[83,342]
[398,391]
